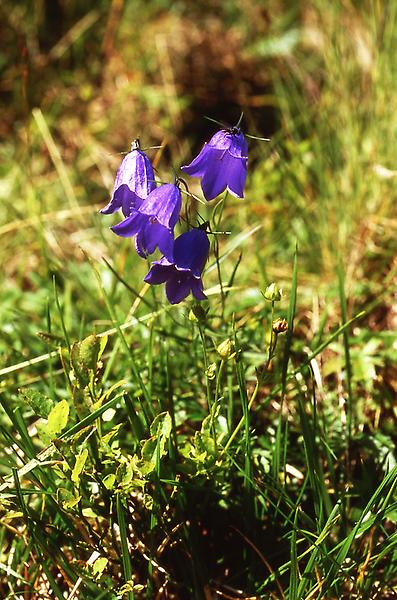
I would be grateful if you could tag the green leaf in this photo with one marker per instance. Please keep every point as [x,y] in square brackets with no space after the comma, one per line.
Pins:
[203,453]
[103,340]
[109,481]
[162,425]
[88,352]
[155,447]
[107,437]
[58,418]
[149,456]
[39,403]
[99,566]
[84,358]
[79,466]
[67,499]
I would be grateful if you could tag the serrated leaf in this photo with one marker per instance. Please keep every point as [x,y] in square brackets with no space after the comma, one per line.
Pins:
[162,425]
[125,473]
[88,352]
[106,439]
[155,447]
[85,359]
[39,403]
[58,418]
[82,400]
[79,466]
[81,374]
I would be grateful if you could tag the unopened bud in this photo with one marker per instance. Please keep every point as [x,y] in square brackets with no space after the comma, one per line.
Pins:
[280,326]
[273,293]
[225,349]
[211,371]
[197,313]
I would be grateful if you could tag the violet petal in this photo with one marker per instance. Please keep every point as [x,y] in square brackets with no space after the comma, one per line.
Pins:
[191,250]
[158,274]
[235,172]
[131,225]
[178,287]
[214,181]
[164,203]
[197,289]
[198,165]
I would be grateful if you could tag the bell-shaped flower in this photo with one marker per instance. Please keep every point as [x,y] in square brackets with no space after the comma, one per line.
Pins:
[221,164]
[134,182]
[182,275]
[153,221]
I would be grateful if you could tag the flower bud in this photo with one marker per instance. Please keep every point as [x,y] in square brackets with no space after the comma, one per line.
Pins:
[225,349]
[197,313]
[273,293]
[211,371]
[280,326]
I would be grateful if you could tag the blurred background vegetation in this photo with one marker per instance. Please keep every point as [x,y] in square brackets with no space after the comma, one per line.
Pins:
[80,80]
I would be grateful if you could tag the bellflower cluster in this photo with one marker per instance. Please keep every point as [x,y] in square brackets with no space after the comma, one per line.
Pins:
[151,213]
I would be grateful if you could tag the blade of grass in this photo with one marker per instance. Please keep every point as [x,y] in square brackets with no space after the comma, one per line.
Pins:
[129,351]
[125,555]
[294,569]
[276,458]
[348,366]
[56,158]
[321,499]
[362,524]
[290,321]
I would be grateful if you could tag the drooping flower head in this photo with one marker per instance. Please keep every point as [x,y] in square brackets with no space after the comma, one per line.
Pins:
[221,164]
[182,275]
[134,182]
[153,221]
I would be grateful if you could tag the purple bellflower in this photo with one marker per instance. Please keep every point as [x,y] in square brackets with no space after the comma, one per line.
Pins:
[134,182]
[221,164]
[153,221]
[182,275]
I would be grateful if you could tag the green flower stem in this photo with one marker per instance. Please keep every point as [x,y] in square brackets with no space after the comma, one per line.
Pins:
[221,205]
[272,349]
[219,378]
[241,422]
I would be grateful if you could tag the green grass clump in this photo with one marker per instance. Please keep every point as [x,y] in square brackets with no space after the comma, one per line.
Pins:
[243,447]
